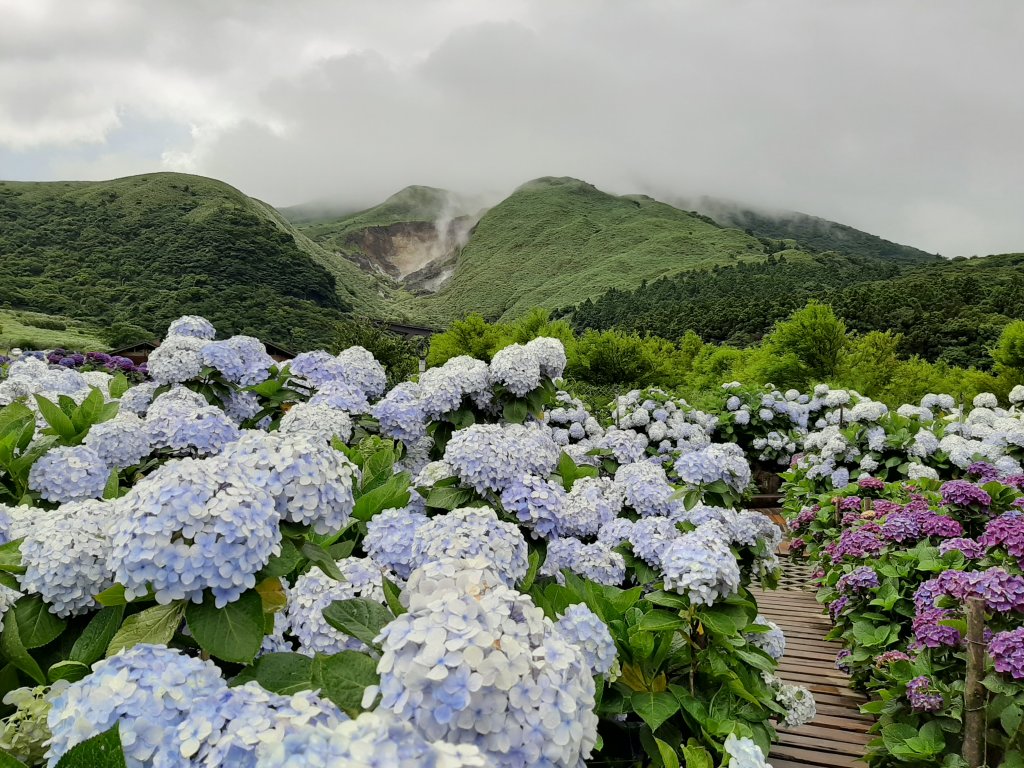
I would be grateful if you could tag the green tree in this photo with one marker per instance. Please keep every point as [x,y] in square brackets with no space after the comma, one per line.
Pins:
[1009,350]
[815,336]
[471,336]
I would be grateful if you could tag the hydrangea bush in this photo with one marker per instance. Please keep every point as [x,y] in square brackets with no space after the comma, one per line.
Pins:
[240,562]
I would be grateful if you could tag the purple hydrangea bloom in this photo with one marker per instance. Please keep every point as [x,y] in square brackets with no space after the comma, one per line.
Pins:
[884,507]
[870,483]
[940,526]
[1007,651]
[841,663]
[836,608]
[857,543]
[891,657]
[930,633]
[848,504]
[1006,531]
[901,527]
[971,549]
[927,594]
[961,493]
[984,471]
[860,579]
[919,697]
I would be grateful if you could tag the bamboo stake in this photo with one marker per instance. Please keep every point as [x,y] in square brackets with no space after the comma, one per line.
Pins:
[974,691]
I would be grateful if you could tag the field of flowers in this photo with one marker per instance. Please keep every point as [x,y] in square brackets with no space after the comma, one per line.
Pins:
[217,560]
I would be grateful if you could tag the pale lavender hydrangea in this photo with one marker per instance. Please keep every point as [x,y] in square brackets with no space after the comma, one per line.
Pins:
[121,442]
[581,626]
[390,536]
[473,532]
[69,473]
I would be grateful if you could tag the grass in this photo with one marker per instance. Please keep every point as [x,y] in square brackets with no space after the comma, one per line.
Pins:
[17,328]
[558,241]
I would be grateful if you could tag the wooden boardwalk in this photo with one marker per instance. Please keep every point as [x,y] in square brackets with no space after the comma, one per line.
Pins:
[837,736]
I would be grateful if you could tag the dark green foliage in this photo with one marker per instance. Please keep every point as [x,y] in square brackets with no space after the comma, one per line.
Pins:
[143,250]
[399,356]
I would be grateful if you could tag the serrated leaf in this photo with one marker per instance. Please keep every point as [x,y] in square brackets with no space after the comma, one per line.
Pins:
[449,497]
[661,621]
[283,673]
[59,421]
[342,678]
[6,761]
[393,494]
[112,596]
[359,618]
[320,557]
[282,564]
[15,652]
[102,751]
[696,756]
[155,625]
[392,595]
[654,708]
[94,639]
[10,557]
[232,633]
[36,625]
[68,670]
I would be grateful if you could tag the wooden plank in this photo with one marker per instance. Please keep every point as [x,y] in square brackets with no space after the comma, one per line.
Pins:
[829,734]
[804,741]
[822,756]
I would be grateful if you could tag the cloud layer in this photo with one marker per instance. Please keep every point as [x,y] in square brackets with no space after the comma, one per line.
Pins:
[901,117]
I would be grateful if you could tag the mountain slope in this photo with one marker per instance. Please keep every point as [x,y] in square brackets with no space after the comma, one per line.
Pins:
[811,232]
[557,241]
[144,249]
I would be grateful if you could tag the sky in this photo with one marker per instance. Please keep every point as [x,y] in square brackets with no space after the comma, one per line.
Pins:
[904,118]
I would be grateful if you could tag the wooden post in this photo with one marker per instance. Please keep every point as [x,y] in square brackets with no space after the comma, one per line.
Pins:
[974,691]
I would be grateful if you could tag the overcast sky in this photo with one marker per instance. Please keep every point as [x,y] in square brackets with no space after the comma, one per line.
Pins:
[901,117]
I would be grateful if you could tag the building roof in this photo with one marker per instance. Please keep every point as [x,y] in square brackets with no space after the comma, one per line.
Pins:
[148,344]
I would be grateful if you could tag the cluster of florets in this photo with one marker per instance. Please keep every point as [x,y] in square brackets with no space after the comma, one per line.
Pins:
[744,752]
[537,503]
[24,733]
[489,457]
[176,360]
[321,421]
[443,389]
[771,640]
[701,565]
[484,666]
[580,626]
[69,473]
[964,494]
[650,538]
[591,503]
[182,422]
[310,482]
[798,703]
[572,424]
[717,461]
[921,697]
[389,539]
[1006,531]
[647,489]
[1007,652]
[400,413]
[860,579]
[314,591]
[66,554]
[194,525]
[242,360]
[473,532]
[121,442]
[598,561]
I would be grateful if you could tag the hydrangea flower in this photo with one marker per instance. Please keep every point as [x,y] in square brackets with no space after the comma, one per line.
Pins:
[1006,531]
[616,531]
[650,537]
[121,442]
[581,626]
[597,562]
[473,532]
[443,389]
[69,473]
[798,703]
[964,494]
[176,360]
[714,462]
[147,690]
[389,538]
[550,354]
[311,483]
[137,399]
[24,733]
[592,502]
[230,725]
[647,489]
[517,368]
[744,753]
[194,525]
[242,360]
[626,445]
[314,591]
[489,457]
[400,413]
[360,368]
[66,555]
[373,740]
[860,579]
[193,326]
[930,633]
[701,566]
[772,642]
[919,697]
[537,503]
[319,420]
[487,668]
[1007,652]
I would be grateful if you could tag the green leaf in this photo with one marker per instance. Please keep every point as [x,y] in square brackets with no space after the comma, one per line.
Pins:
[59,421]
[283,673]
[515,411]
[232,633]
[283,563]
[568,470]
[113,486]
[88,413]
[112,596]
[359,618]
[668,755]
[322,558]
[6,761]
[377,469]
[102,751]
[392,595]
[654,708]
[696,756]
[118,385]
[10,557]
[14,650]
[449,497]
[68,670]
[394,494]
[155,625]
[342,678]
[36,625]
[660,621]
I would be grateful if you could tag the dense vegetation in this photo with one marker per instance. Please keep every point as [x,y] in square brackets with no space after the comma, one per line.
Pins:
[134,253]
[557,241]
[949,311]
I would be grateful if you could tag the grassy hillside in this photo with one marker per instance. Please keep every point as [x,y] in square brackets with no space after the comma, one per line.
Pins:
[557,241]
[133,253]
[32,330]
[811,232]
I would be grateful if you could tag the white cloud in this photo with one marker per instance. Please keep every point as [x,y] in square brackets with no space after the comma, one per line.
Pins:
[901,117]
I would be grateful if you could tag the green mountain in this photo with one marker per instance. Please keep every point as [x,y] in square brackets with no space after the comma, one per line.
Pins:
[132,254]
[556,241]
[811,232]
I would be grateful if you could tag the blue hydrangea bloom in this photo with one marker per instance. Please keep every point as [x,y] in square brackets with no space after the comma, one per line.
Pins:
[615,532]
[148,690]
[192,325]
[389,538]
[69,473]
[647,489]
[473,532]
[772,642]
[194,525]
[517,368]
[121,442]
[581,626]
[490,457]
[360,368]
[592,502]
[701,567]
[400,413]
[537,503]
[319,420]
[651,537]
[242,360]
[176,360]
[597,562]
